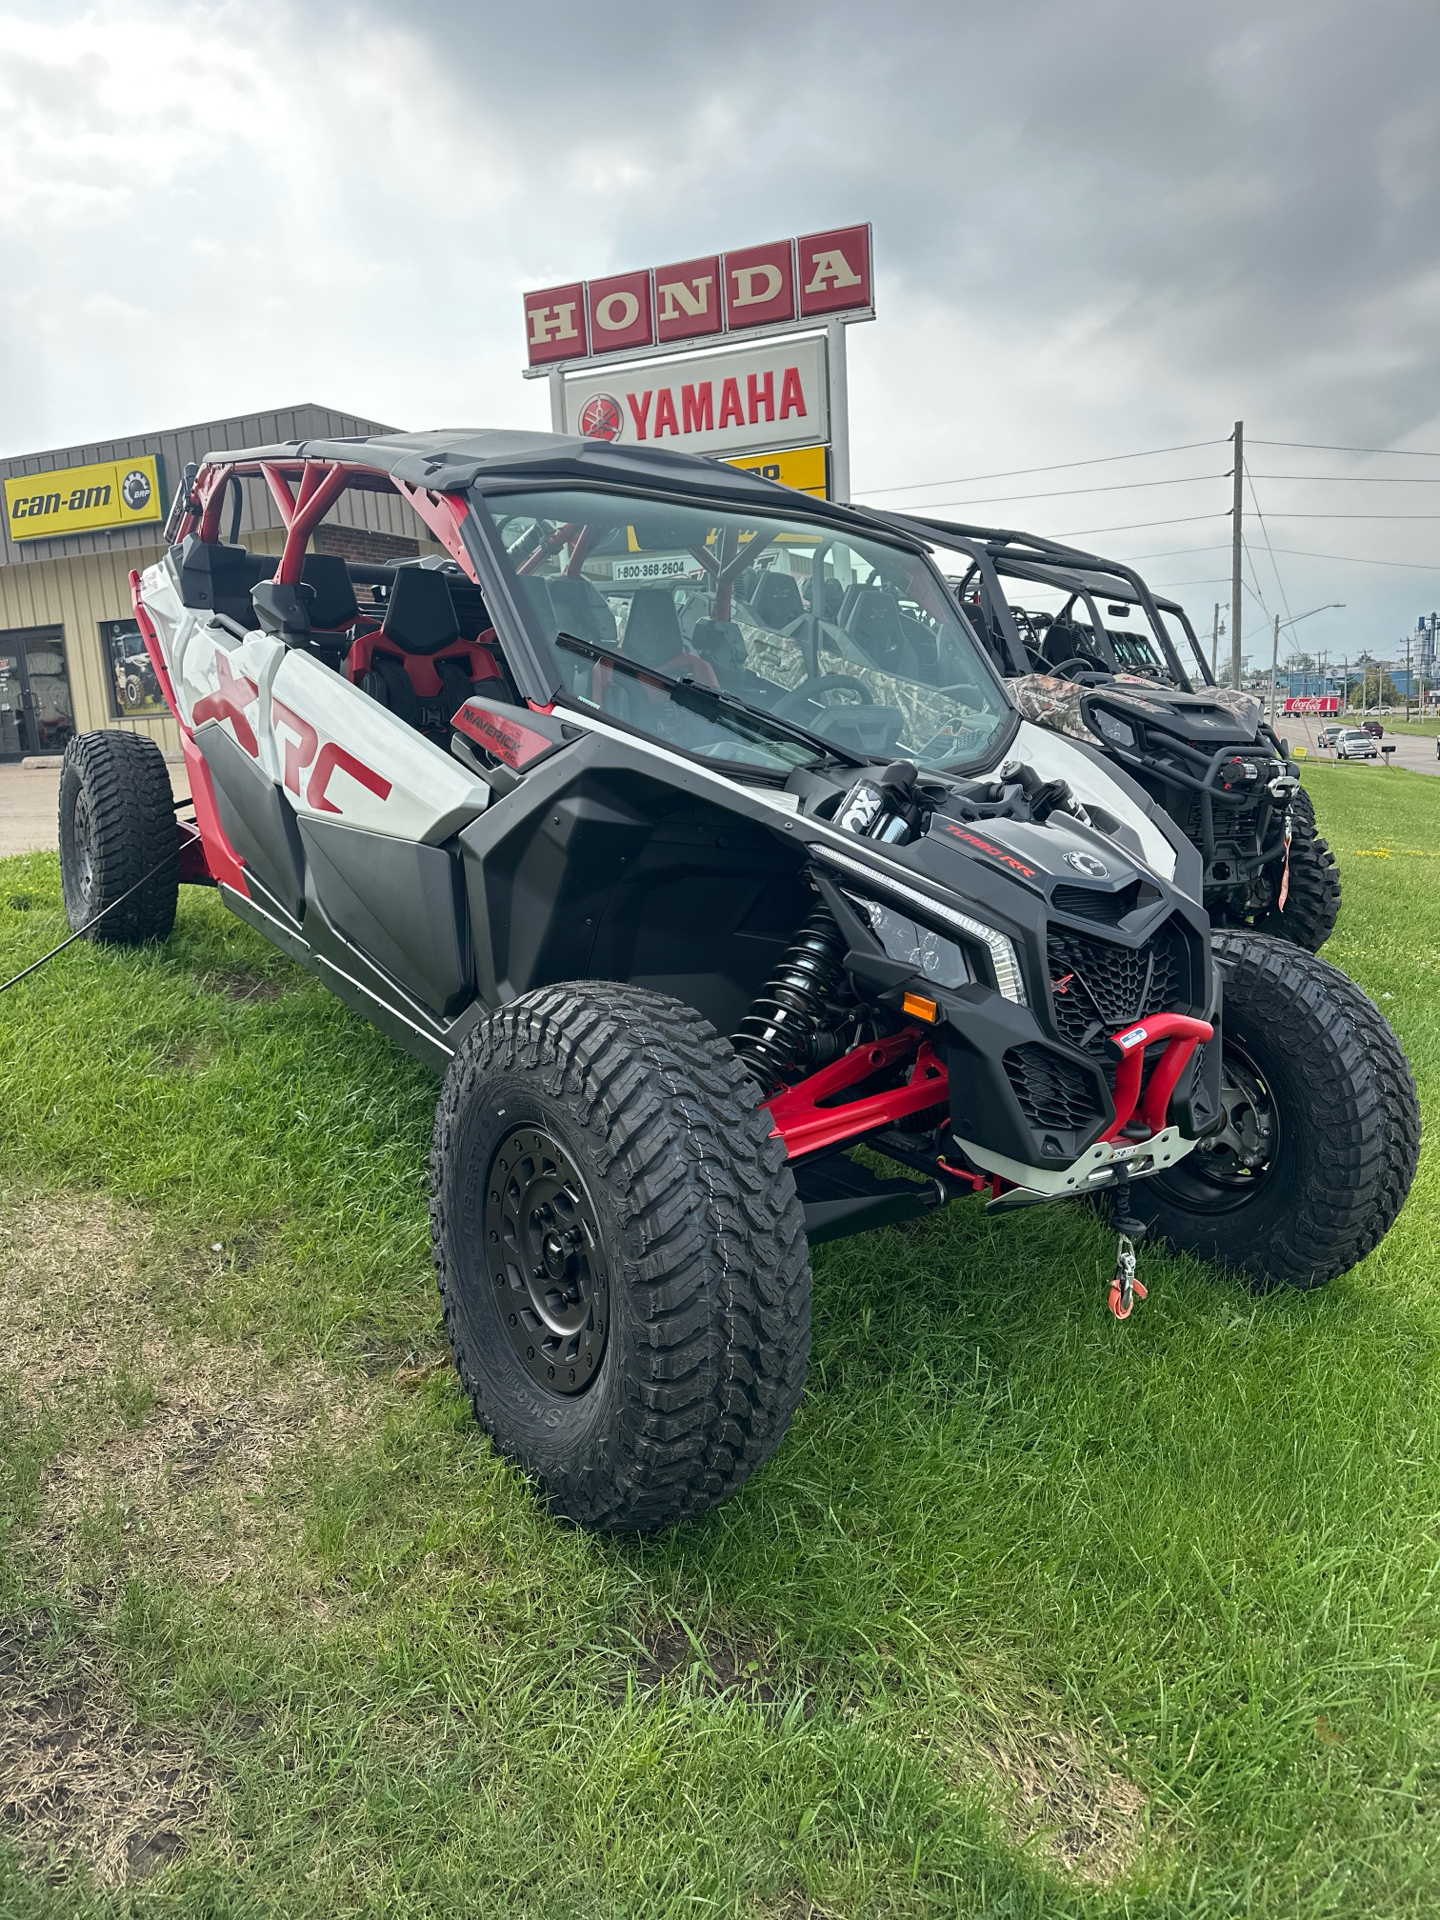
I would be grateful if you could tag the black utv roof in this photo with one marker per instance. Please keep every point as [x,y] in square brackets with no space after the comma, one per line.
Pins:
[453,459]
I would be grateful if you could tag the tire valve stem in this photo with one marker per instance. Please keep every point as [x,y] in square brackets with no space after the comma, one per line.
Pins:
[1125,1289]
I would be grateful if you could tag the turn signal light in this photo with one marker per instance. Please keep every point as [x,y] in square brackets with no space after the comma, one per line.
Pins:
[920,1007]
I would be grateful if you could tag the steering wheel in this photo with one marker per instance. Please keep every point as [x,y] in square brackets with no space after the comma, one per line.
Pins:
[790,707]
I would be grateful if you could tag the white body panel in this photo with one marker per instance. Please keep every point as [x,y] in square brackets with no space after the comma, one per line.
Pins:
[331,749]
[1054,758]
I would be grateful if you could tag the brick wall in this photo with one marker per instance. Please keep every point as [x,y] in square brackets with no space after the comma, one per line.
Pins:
[361,543]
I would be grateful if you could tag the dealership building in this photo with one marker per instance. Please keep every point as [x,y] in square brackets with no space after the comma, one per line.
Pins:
[78,519]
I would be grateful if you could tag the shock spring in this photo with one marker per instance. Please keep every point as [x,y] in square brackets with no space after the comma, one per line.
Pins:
[783,1035]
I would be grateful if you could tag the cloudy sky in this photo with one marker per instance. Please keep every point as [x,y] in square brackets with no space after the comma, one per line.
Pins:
[1101,227]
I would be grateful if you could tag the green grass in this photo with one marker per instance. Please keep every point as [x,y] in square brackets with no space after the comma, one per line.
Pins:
[1182,1576]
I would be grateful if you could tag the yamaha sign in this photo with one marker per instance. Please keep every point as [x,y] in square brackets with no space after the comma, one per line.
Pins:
[729,354]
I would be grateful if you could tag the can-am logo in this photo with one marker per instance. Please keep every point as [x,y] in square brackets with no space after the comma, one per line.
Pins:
[1087,864]
[135,489]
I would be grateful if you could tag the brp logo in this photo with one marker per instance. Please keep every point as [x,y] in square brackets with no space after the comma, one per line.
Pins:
[601,418]
[135,489]
[1087,864]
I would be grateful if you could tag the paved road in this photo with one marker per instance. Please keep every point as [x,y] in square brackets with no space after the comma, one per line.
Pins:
[1410,751]
[29,799]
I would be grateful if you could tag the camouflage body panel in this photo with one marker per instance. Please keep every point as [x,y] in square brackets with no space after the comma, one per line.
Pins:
[1055,703]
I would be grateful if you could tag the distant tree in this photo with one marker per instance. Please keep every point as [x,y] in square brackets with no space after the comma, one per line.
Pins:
[1299,663]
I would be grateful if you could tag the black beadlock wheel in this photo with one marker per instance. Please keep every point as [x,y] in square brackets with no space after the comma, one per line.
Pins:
[1312,901]
[620,1252]
[117,825]
[1321,1130]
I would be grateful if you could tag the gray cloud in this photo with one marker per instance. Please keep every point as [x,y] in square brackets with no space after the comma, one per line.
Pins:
[1097,228]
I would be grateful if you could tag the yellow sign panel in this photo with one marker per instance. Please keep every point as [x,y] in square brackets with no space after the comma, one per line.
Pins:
[113,493]
[800,467]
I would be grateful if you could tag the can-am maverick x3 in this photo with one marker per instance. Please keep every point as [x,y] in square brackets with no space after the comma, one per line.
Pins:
[1204,752]
[651,752]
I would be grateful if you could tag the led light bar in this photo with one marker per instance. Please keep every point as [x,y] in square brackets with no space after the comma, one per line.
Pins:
[1001,948]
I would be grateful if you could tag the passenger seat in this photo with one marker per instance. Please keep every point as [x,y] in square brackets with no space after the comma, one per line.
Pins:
[418,665]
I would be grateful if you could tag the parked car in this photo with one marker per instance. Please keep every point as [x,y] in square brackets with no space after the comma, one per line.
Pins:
[1355,744]
[1329,735]
[559,845]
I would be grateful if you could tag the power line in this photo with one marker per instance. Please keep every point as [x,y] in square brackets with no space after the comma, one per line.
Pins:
[1060,466]
[1354,516]
[1296,553]
[1055,493]
[1323,446]
[1185,519]
[1274,564]
[1353,479]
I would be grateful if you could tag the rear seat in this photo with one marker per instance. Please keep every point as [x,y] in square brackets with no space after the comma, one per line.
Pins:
[418,664]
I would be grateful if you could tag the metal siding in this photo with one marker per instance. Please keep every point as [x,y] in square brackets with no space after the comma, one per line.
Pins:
[175,450]
[76,595]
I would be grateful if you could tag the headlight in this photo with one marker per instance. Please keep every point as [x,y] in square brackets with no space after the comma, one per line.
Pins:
[1114,729]
[939,959]
[1000,947]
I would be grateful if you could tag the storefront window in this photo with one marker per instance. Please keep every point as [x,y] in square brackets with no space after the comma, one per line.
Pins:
[133,687]
[35,711]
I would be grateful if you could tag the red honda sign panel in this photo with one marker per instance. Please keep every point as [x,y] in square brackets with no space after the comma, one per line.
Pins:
[688,300]
[619,310]
[760,285]
[555,324]
[834,270]
[815,278]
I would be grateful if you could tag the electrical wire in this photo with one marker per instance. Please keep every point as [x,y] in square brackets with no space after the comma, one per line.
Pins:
[1358,479]
[1274,564]
[1061,466]
[1323,446]
[1059,493]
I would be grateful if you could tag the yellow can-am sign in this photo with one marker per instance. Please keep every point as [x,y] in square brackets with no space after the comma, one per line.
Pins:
[113,493]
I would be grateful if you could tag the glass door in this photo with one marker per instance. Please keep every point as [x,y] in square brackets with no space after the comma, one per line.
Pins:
[36,712]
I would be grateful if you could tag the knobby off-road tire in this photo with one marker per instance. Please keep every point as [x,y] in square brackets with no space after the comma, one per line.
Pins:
[1315,1086]
[117,824]
[1312,904]
[610,1132]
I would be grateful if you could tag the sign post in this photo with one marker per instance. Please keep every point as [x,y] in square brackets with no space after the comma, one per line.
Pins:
[733,355]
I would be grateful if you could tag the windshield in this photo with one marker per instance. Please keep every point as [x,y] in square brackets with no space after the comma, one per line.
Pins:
[839,641]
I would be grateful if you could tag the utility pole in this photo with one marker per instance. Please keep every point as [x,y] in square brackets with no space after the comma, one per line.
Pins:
[1215,640]
[1274,662]
[1236,585]
[1407,679]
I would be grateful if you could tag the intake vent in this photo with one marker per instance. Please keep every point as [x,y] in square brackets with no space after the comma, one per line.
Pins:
[1088,903]
[1099,985]
[1052,1092]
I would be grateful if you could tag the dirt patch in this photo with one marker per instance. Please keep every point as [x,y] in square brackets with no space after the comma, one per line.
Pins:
[1066,1802]
[77,1775]
[183,1450]
[246,987]
[709,1664]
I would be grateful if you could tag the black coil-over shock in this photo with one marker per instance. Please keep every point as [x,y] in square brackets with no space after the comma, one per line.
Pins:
[783,1034]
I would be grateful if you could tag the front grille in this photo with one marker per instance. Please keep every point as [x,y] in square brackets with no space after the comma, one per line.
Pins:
[1098,985]
[1052,1092]
[1088,903]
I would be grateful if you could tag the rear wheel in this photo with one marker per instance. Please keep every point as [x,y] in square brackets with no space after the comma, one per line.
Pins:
[117,829]
[621,1253]
[1321,1130]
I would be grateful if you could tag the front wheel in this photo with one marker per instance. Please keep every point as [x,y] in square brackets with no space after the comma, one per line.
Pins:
[1321,1126]
[1312,899]
[621,1253]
